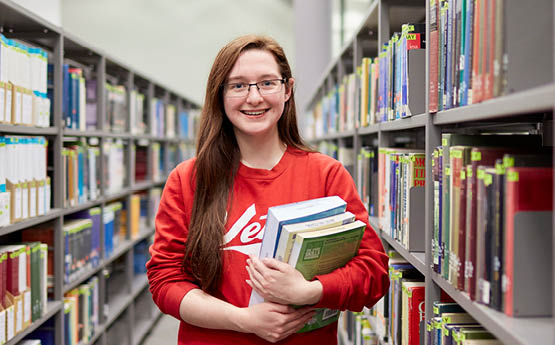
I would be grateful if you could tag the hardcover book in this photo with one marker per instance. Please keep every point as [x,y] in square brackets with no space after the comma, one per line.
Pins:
[281,215]
[322,251]
[528,238]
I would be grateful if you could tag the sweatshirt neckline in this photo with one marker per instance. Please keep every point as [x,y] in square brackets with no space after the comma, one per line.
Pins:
[265,174]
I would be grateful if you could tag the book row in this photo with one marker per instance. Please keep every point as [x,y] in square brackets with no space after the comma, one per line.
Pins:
[356,326]
[492,219]
[399,318]
[81,172]
[81,305]
[380,88]
[344,154]
[123,110]
[81,312]
[23,286]
[81,166]
[401,181]
[367,173]
[467,54]
[23,84]
[82,233]
[24,185]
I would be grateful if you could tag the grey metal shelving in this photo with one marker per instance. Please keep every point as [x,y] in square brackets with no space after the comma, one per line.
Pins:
[19,129]
[63,47]
[528,106]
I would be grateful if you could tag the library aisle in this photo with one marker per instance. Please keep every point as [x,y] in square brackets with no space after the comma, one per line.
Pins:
[163,332]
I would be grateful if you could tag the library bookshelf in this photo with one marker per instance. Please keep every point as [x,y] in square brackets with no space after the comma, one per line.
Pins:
[125,311]
[526,106]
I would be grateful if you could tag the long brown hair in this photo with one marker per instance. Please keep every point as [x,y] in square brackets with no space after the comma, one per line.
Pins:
[218,158]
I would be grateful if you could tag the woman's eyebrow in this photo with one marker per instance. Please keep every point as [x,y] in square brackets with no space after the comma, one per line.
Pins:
[260,78]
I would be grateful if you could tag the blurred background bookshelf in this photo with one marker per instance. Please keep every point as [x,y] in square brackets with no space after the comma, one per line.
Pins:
[86,144]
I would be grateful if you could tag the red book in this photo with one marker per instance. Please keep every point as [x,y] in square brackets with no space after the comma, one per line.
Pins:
[12,268]
[477,51]
[416,312]
[528,239]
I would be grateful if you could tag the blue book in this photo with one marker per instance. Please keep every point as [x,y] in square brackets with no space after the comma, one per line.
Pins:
[94,215]
[81,173]
[108,219]
[66,112]
[74,99]
[140,257]
[292,213]
[46,333]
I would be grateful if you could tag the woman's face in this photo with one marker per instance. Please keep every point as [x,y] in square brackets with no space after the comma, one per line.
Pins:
[255,114]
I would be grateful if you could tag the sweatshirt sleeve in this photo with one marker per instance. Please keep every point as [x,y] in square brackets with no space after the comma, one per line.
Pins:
[168,281]
[364,280]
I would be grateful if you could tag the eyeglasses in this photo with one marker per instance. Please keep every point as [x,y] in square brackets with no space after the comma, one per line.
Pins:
[265,87]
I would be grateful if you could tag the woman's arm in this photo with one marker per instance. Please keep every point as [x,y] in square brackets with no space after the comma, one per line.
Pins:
[270,321]
[361,282]
[177,293]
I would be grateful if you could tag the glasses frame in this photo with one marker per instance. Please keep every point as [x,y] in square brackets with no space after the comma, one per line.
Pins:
[282,80]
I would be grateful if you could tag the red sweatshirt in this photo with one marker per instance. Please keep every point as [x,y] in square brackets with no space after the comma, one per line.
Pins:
[298,176]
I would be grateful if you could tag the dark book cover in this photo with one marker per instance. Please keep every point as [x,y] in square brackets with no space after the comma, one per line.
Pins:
[484,230]
[497,235]
[461,227]
[460,156]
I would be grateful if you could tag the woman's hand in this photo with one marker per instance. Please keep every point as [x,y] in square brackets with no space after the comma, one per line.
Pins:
[279,282]
[274,322]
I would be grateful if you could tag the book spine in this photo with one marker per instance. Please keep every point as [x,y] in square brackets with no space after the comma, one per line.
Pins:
[434,47]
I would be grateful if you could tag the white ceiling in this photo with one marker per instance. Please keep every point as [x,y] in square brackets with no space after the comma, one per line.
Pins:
[174,42]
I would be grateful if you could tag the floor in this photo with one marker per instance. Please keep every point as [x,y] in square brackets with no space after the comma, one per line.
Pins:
[164,332]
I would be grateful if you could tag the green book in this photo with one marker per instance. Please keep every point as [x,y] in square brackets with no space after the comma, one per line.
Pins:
[289,231]
[36,305]
[462,334]
[322,251]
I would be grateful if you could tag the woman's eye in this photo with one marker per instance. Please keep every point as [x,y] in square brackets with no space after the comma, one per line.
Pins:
[238,86]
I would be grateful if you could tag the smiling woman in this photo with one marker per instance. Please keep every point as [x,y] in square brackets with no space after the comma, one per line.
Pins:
[255,111]
[213,210]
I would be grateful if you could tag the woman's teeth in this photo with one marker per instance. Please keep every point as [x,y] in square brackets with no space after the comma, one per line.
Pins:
[253,113]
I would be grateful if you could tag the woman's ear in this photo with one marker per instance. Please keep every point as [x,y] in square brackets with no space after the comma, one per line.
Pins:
[289,88]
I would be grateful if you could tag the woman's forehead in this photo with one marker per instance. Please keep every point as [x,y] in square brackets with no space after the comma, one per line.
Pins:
[255,63]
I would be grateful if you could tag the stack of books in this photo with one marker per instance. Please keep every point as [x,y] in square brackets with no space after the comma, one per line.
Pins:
[316,237]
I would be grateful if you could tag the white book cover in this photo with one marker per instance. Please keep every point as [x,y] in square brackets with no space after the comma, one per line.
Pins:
[302,211]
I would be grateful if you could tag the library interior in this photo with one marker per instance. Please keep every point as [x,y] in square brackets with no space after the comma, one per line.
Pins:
[428,122]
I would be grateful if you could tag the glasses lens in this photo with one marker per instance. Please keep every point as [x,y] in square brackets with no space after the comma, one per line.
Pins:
[236,89]
[269,86]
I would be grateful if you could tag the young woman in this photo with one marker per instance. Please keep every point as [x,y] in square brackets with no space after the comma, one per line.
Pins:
[211,217]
